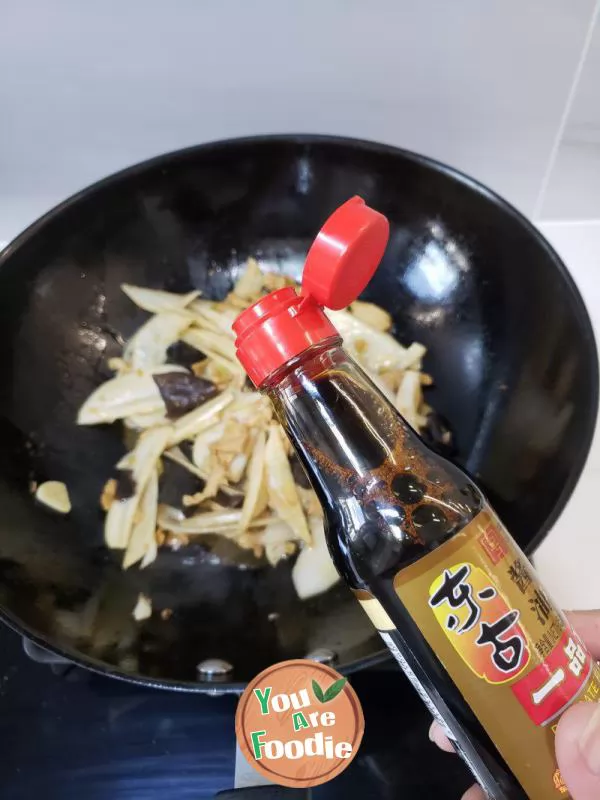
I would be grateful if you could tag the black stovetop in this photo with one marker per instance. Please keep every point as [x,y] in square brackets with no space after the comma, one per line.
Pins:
[83,736]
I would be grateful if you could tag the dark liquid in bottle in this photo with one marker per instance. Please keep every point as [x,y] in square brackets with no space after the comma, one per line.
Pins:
[388,500]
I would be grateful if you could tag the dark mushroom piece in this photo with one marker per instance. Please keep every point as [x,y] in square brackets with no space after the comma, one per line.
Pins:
[182,392]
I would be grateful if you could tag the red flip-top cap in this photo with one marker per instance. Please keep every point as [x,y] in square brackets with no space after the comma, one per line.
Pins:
[339,264]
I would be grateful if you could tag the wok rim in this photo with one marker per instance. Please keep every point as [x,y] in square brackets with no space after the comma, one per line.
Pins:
[366,145]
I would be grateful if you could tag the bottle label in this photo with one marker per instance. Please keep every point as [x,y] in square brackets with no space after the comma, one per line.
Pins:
[509,650]
[375,611]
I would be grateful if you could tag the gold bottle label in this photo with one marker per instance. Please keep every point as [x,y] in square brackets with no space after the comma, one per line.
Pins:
[509,650]
[375,611]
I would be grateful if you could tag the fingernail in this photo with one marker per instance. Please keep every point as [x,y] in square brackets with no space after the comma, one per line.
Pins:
[438,737]
[589,742]
[432,732]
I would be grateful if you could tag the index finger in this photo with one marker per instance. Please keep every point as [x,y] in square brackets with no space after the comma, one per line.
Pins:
[587,625]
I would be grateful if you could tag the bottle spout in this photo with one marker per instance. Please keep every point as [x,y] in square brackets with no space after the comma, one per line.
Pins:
[339,265]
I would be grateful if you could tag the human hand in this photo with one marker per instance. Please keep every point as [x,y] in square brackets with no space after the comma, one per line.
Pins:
[578,733]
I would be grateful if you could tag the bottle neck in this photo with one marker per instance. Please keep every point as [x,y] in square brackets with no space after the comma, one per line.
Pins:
[387,497]
[340,425]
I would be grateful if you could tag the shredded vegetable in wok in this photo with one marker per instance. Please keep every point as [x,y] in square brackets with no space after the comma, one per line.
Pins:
[184,398]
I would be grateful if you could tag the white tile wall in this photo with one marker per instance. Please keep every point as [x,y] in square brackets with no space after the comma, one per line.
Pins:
[573,190]
[87,88]
[568,558]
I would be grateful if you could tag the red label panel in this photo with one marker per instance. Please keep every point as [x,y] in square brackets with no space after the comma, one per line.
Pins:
[548,689]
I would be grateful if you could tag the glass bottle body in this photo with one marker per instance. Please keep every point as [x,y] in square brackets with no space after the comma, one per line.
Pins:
[388,501]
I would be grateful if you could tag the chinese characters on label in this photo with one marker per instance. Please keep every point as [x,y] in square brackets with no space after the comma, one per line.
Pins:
[520,575]
[487,634]
[548,689]
[506,646]
[478,621]
[548,640]
[458,593]
[540,605]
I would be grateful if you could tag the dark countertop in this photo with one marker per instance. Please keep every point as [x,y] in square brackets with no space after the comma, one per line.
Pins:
[80,735]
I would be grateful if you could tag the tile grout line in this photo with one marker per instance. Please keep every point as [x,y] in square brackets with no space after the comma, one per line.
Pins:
[566,111]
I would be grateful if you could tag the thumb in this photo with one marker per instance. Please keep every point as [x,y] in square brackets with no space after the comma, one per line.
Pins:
[578,750]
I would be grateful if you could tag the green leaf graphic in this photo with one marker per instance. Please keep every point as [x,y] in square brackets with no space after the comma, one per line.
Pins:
[318,692]
[334,690]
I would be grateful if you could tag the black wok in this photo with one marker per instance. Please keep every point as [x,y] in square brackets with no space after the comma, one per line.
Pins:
[510,348]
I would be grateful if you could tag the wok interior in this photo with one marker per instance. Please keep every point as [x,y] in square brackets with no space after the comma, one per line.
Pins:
[510,350]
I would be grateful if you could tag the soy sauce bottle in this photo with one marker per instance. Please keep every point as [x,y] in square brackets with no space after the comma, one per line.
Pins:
[451,594]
